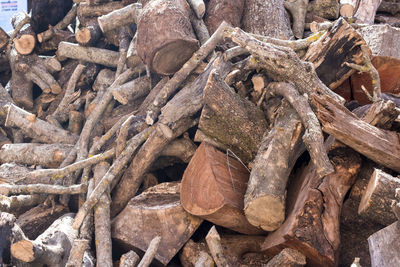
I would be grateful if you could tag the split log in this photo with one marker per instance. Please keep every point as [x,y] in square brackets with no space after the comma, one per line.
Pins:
[377,199]
[132,90]
[384,246]
[129,259]
[341,44]
[51,248]
[159,206]
[46,155]
[383,40]
[36,128]
[165,49]
[287,257]
[25,38]
[120,17]
[35,221]
[312,224]
[226,114]
[268,18]
[328,9]
[223,10]
[89,54]
[366,10]
[381,114]
[102,219]
[212,173]
[381,146]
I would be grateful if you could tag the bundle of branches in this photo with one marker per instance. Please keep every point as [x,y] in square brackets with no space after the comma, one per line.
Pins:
[134,122]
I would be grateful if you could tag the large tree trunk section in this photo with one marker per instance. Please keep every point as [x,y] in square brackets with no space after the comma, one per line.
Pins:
[50,248]
[213,188]
[383,40]
[267,18]
[165,48]
[381,146]
[223,10]
[35,221]
[312,224]
[25,40]
[156,211]
[45,155]
[265,199]
[226,114]
[377,199]
[384,246]
[341,44]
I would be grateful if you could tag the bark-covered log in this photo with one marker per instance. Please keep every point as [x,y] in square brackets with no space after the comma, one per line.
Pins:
[384,246]
[35,221]
[377,199]
[25,38]
[36,128]
[9,189]
[223,179]
[223,10]
[85,10]
[328,9]
[120,17]
[51,248]
[383,40]
[149,215]
[268,18]
[165,49]
[381,146]
[227,115]
[46,155]
[19,204]
[90,34]
[341,44]
[366,9]
[312,224]
[132,90]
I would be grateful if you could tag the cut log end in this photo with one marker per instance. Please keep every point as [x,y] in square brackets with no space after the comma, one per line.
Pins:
[23,250]
[83,36]
[347,10]
[267,217]
[170,58]
[25,44]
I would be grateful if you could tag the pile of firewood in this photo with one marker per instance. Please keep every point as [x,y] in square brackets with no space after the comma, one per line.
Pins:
[128,129]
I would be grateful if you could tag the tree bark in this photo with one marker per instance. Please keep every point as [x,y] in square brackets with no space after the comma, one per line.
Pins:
[365,13]
[384,246]
[132,90]
[223,10]
[25,39]
[267,18]
[288,257]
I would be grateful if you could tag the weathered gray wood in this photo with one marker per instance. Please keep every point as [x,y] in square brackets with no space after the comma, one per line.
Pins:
[383,40]
[384,246]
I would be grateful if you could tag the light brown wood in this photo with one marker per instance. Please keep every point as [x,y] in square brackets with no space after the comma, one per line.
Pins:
[156,211]
[213,188]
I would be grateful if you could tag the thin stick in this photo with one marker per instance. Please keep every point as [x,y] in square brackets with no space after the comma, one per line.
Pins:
[111,174]
[7,189]
[150,252]
[123,134]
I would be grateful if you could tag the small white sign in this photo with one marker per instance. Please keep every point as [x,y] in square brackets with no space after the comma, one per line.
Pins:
[7,10]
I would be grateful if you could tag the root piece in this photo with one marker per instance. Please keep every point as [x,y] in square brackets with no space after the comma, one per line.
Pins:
[214,244]
[132,90]
[36,128]
[129,259]
[68,19]
[50,248]
[165,49]
[290,66]
[120,17]
[298,9]
[89,54]
[287,257]
[268,18]
[173,84]
[7,189]
[377,199]
[102,219]
[46,155]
